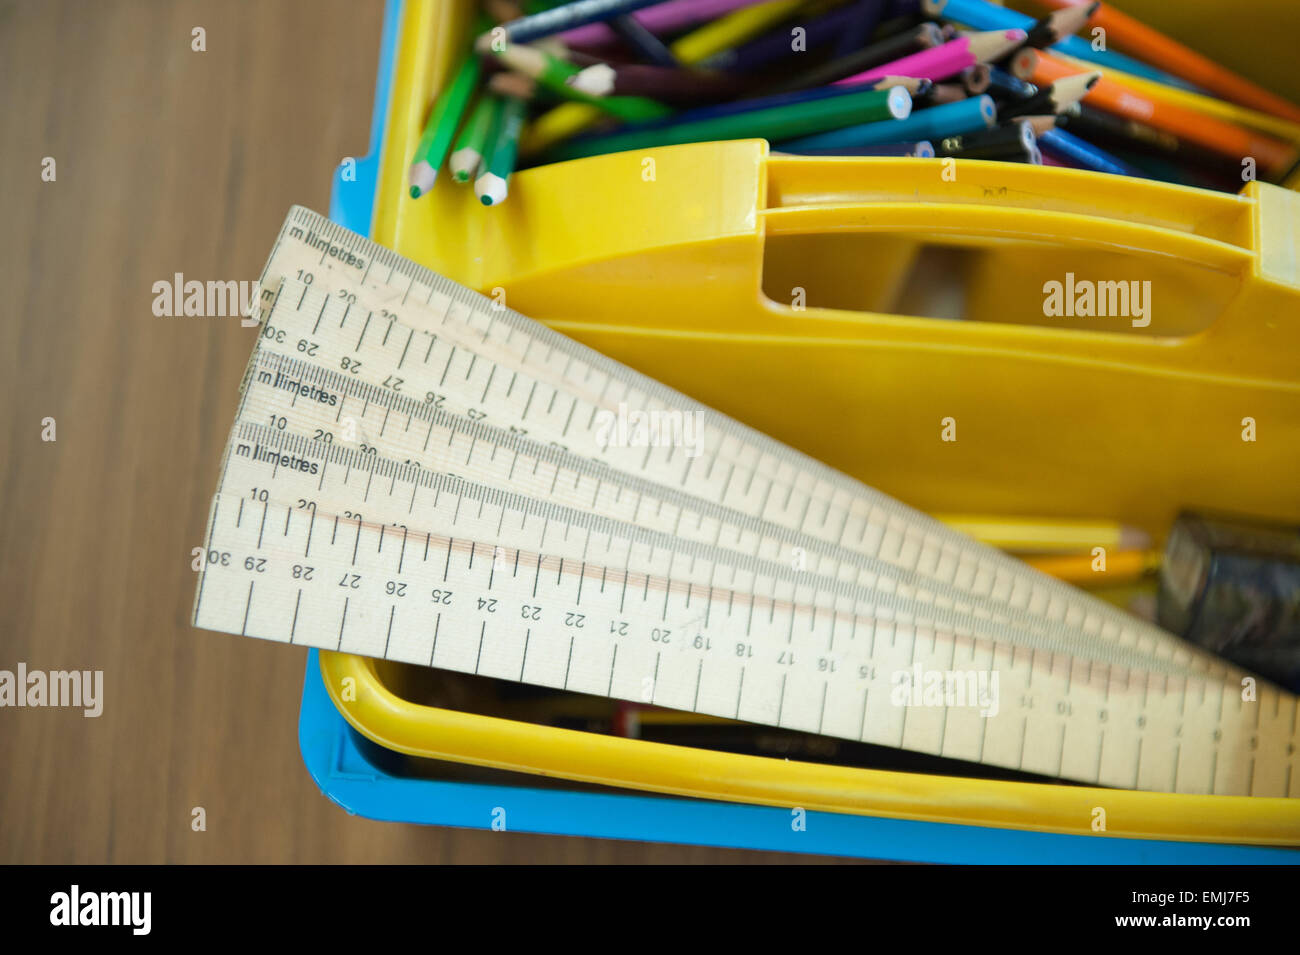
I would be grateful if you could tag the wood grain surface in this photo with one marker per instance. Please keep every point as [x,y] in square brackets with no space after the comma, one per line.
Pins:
[167,160]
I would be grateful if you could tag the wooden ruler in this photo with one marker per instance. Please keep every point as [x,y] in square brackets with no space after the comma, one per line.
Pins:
[420,474]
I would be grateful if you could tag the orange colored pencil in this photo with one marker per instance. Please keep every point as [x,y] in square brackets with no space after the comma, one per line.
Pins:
[1223,137]
[1146,43]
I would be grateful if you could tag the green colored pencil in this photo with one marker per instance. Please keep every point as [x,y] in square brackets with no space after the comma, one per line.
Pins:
[553,74]
[473,138]
[441,128]
[772,122]
[490,186]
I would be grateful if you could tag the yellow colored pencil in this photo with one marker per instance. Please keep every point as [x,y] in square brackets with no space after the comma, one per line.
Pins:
[1122,566]
[1038,535]
[732,30]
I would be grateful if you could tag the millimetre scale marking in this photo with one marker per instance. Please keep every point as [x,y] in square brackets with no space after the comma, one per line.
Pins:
[550,388]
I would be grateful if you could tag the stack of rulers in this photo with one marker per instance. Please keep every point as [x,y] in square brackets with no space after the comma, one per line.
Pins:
[419,474]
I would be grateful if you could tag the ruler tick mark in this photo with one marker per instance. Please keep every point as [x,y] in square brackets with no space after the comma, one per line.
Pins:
[343,619]
[248,606]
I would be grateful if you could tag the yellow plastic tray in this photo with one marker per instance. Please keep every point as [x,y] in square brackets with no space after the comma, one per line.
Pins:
[688,275]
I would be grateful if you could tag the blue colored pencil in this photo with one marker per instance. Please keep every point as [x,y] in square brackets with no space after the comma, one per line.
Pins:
[641,41]
[565,17]
[1062,145]
[951,119]
[1004,86]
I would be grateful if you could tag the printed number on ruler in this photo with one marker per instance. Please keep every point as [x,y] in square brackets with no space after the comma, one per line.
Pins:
[385,589]
[415,433]
[386,320]
[833,637]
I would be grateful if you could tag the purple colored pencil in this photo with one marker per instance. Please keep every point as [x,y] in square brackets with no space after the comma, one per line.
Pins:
[661,18]
[861,24]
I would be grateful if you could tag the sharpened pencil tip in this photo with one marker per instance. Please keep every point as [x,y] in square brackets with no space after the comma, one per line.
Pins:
[423,176]
[491,189]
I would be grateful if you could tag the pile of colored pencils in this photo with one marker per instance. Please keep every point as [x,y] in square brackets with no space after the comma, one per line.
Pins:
[970,79]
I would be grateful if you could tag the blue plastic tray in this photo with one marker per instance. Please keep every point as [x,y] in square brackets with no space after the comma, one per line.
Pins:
[336,755]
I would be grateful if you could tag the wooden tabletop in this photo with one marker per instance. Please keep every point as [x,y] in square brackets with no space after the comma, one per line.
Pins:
[166,160]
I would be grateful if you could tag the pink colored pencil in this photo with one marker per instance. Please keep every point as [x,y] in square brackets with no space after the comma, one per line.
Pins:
[943,62]
[661,18]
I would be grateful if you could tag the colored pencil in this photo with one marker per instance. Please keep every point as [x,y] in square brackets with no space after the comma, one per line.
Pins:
[953,119]
[507,83]
[568,120]
[924,37]
[553,74]
[919,88]
[641,41]
[718,110]
[976,79]
[1122,566]
[468,150]
[773,46]
[863,15]
[672,85]
[552,46]
[1059,24]
[1152,46]
[1181,174]
[441,127]
[1047,534]
[662,18]
[733,29]
[921,149]
[492,185]
[1220,109]
[947,60]
[1063,145]
[1007,88]
[940,93]
[1113,97]
[982,15]
[773,122]
[1116,132]
[1009,140]
[1059,96]
[562,18]
[1041,124]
